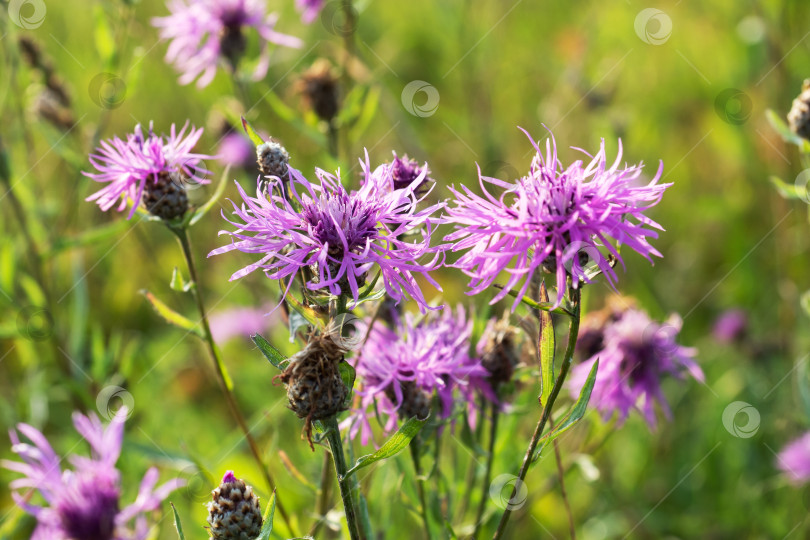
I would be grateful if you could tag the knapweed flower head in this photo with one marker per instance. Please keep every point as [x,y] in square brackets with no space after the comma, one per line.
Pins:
[309,9]
[130,167]
[333,239]
[234,512]
[554,218]
[203,31]
[402,173]
[636,354]
[794,459]
[404,368]
[83,502]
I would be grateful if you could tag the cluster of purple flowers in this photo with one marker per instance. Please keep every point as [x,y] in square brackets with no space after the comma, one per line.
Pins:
[635,354]
[83,502]
[335,239]
[128,166]
[417,360]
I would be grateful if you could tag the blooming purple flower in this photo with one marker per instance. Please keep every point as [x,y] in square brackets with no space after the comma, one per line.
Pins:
[405,173]
[202,31]
[636,353]
[731,326]
[401,370]
[333,238]
[83,502]
[794,459]
[553,218]
[309,9]
[127,166]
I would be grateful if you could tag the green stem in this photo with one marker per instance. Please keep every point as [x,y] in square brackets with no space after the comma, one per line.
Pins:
[573,332]
[323,499]
[336,446]
[493,429]
[420,488]
[563,493]
[221,370]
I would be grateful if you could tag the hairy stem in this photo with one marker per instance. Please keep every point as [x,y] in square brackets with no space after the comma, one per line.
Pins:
[222,375]
[573,332]
[336,446]
[482,504]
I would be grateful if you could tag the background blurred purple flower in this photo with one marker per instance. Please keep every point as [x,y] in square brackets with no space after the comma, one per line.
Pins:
[83,503]
[731,326]
[402,369]
[202,31]
[341,236]
[240,322]
[636,354]
[554,217]
[127,166]
[236,150]
[309,9]
[794,459]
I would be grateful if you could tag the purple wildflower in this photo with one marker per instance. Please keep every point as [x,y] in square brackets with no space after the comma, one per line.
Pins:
[401,370]
[731,326]
[83,502]
[239,322]
[236,150]
[202,31]
[127,166]
[794,459]
[406,173]
[339,236]
[636,353]
[553,217]
[309,9]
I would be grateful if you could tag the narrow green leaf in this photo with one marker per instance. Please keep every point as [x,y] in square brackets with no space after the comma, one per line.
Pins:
[270,352]
[204,209]
[575,414]
[267,520]
[32,290]
[179,283]
[307,312]
[172,316]
[789,191]
[348,374]
[804,301]
[541,306]
[370,106]
[255,137]
[546,347]
[103,37]
[177,524]
[296,321]
[398,442]
[8,267]
[782,128]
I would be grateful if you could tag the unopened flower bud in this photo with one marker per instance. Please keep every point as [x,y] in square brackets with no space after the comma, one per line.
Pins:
[234,513]
[319,87]
[273,160]
[799,115]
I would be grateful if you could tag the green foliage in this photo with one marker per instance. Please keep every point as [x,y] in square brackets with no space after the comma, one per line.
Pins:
[398,442]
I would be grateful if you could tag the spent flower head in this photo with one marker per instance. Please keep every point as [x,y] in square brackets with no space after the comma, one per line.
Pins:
[553,218]
[130,167]
[402,370]
[83,502]
[635,355]
[201,32]
[333,239]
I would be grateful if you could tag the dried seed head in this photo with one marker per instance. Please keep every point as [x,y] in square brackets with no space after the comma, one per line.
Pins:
[234,513]
[167,197]
[499,353]
[415,401]
[799,115]
[273,160]
[319,87]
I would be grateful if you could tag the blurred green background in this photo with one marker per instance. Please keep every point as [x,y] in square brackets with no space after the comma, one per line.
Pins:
[696,100]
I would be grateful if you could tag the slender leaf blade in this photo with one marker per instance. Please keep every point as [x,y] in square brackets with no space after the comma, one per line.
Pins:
[177,524]
[267,519]
[255,137]
[546,348]
[271,353]
[171,316]
[398,442]
[204,209]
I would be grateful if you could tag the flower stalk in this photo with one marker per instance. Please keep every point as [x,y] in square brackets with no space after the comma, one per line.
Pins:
[345,484]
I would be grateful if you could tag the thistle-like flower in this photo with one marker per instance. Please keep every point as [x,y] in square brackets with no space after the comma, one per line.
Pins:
[405,173]
[203,31]
[553,218]
[333,239]
[150,168]
[794,460]
[234,512]
[83,503]
[635,353]
[402,370]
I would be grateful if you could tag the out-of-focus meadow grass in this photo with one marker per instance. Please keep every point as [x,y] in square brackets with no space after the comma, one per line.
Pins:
[581,69]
